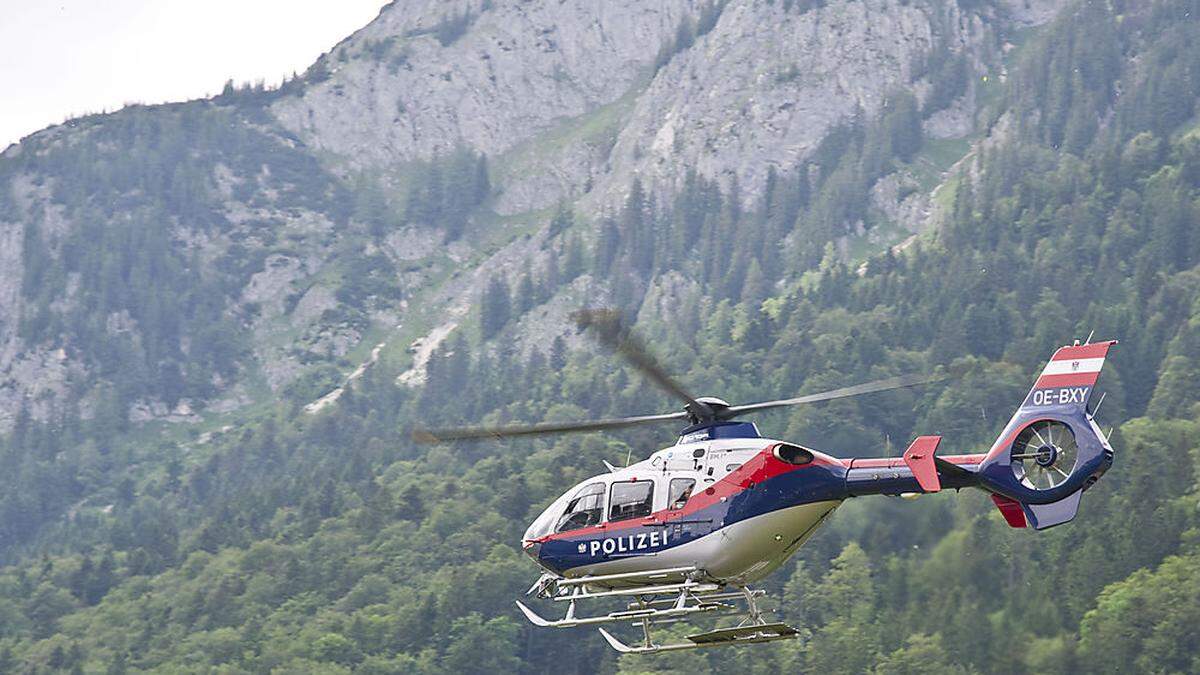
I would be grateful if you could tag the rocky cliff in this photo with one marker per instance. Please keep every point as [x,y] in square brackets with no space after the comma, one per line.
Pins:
[567,103]
[578,97]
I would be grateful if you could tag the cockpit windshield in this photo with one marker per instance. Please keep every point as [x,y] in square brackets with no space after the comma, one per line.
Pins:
[584,510]
[544,524]
[583,504]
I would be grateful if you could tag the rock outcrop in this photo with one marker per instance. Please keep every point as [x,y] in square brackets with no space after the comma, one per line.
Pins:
[569,100]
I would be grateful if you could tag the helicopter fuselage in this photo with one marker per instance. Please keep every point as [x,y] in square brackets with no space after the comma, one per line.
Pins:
[752,503]
[684,532]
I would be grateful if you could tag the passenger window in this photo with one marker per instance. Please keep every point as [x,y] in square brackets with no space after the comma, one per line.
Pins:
[681,490]
[630,499]
[584,509]
[730,468]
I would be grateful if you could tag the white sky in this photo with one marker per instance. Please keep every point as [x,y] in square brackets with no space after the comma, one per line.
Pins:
[62,58]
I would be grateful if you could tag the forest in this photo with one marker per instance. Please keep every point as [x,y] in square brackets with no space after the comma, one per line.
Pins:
[332,542]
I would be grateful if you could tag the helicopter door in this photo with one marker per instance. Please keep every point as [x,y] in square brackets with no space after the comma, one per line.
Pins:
[630,499]
[680,491]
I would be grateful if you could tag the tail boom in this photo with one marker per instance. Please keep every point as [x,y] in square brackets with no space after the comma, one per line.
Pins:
[895,476]
[1048,454]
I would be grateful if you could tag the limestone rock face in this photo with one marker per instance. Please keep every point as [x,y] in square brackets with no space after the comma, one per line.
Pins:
[571,101]
[764,87]
[397,93]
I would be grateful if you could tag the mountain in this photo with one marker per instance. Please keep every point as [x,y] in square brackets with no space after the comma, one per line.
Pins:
[272,198]
[220,320]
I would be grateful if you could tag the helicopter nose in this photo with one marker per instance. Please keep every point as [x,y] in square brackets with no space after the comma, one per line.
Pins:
[533,548]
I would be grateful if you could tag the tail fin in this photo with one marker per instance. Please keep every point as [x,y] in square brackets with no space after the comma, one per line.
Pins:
[1069,378]
[1052,449]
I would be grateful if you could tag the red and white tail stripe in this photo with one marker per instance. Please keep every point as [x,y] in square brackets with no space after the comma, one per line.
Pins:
[1075,366]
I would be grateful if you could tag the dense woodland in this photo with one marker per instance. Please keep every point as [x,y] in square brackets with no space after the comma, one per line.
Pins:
[332,542]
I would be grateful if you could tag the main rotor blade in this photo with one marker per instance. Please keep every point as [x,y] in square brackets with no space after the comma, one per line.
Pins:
[439,435]
[886,384]
[607,326]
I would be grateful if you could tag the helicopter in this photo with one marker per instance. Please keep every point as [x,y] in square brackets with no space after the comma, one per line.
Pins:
[687,531]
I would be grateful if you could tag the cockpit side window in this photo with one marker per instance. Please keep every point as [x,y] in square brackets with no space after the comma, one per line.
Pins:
[680,492]
[631,499]
[584,509]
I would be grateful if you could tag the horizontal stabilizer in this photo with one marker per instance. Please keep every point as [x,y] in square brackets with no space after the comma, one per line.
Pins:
[1043,516]
[919,458]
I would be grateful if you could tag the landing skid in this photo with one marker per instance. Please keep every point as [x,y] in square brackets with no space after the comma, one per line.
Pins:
[722,637]
[660,597]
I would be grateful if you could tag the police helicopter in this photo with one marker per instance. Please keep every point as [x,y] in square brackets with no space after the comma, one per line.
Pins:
[687,531]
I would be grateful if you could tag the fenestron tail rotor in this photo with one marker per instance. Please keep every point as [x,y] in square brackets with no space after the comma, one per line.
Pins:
[1044,454]
[606,326]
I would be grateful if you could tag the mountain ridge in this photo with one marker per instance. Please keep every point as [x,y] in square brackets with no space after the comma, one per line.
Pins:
[603,157]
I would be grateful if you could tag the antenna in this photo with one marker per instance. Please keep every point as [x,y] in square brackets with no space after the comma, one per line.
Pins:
[1098,404]
[1088,341]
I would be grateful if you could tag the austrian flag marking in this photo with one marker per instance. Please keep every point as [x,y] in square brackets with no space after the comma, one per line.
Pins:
[1071,373]
[1069,376]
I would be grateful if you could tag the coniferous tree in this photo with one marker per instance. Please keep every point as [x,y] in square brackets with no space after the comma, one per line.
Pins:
[607,247]
[558,353]
[525,295]
[494,308]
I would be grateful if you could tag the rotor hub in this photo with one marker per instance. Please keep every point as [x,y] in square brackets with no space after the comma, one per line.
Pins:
[1046,455]
[707,409]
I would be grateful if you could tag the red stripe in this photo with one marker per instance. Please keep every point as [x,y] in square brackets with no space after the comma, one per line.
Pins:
[877,463]
[896,462]
[1096,350]
[1005,442]
[1066,380]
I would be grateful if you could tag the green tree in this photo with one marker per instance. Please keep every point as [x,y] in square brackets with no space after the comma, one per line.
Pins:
[495,308]
[1145,623]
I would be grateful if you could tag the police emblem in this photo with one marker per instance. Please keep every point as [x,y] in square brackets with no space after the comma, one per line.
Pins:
[583,548]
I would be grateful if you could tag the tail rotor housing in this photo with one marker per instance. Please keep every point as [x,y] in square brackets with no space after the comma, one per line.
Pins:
[1052,449]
